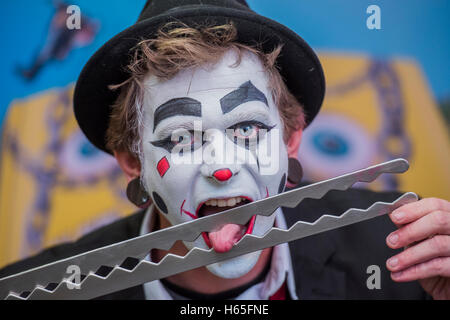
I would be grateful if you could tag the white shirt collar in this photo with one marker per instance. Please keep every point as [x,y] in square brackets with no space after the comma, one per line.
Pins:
[281,265]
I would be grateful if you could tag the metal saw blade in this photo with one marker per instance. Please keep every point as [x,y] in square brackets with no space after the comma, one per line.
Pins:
[145,271]
[113,255]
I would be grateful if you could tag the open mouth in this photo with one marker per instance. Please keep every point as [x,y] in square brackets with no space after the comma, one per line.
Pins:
[223,239]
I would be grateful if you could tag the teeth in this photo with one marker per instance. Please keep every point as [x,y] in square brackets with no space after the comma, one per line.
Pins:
[212,202]
[221,203]
[224,202]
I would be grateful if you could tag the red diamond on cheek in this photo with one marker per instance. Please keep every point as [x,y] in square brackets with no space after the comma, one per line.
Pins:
[162,166]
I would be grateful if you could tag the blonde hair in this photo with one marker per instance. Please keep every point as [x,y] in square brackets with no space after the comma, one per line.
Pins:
[177,47]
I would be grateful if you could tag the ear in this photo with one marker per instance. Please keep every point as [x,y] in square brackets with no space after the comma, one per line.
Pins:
[294,143]
[129,164]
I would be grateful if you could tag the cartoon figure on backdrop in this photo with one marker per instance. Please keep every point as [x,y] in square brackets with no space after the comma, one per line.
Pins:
[60,40]
[213,77]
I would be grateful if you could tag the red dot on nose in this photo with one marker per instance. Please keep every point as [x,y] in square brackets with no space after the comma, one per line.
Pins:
[222,174]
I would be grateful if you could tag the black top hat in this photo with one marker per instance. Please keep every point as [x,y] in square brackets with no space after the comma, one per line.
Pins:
[298,63]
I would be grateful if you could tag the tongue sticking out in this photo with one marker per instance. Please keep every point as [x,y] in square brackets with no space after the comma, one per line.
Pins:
[223,239]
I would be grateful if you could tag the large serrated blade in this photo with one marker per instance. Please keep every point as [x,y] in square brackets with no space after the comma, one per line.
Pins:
[119,278]
[139,247]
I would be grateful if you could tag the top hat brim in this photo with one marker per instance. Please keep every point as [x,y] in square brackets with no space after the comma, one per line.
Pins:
[298,64]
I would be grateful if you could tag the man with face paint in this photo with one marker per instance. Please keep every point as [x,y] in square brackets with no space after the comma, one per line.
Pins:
[206,135]
[203,104]
[220,98]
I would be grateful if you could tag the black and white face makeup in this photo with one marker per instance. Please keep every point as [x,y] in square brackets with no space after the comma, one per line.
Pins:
[210,113]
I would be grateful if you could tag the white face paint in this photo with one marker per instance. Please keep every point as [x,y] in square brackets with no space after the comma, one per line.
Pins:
[217,98]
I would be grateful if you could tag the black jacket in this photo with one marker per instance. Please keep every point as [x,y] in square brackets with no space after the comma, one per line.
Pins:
[330,265]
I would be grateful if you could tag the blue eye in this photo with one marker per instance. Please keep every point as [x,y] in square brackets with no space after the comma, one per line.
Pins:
[247,130]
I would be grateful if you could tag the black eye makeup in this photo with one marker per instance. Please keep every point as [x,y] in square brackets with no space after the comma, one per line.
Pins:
[249,129]
[246,133]
[185,141]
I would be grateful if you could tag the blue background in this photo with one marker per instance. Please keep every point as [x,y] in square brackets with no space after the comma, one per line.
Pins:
[416,29]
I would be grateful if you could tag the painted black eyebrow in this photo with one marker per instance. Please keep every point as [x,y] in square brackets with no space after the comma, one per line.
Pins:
[175,107]
[245,93]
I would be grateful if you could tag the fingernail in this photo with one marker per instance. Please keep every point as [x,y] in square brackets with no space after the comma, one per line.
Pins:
[393,238]
[399,216]
[392,262]
[397,274]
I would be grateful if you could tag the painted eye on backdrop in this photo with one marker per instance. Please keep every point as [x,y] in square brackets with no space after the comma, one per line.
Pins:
[80,162]
[335,144]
